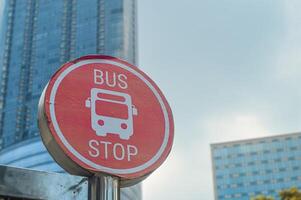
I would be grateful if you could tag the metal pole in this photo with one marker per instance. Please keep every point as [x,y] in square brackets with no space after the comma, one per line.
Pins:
[104,187]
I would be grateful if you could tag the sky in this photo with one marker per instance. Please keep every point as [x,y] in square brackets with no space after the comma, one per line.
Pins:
[230,70]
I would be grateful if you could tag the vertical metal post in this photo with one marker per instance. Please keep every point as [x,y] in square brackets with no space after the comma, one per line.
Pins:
[104,187]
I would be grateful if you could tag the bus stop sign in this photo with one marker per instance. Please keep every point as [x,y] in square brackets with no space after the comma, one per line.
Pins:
[99,114]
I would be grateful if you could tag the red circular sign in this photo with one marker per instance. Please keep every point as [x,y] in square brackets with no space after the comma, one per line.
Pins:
[107,116]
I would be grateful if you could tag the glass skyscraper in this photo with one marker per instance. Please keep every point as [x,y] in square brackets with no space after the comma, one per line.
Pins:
[247,168]
[36,37]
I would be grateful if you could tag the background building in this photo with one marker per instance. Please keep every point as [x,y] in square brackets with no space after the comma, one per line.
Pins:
[246,168]
[36,37]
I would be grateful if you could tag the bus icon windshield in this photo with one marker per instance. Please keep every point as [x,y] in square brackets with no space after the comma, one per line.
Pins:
[111,112]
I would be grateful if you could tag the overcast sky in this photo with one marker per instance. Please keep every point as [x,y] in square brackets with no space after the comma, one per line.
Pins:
[230,69]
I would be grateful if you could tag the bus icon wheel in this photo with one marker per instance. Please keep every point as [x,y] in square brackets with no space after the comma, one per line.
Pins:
[124,137]
[100,133]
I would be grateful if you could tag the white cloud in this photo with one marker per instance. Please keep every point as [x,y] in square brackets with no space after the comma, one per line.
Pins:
[234,126]
[178,178]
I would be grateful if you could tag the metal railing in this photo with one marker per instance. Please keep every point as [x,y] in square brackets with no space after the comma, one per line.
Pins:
[17,183]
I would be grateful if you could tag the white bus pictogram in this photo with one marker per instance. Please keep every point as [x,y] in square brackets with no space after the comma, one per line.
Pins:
[111,112]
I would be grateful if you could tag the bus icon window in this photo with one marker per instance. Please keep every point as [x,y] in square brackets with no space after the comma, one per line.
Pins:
[111,112]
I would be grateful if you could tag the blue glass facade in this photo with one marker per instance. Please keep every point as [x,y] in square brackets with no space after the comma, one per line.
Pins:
[245,169]
[36,37]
